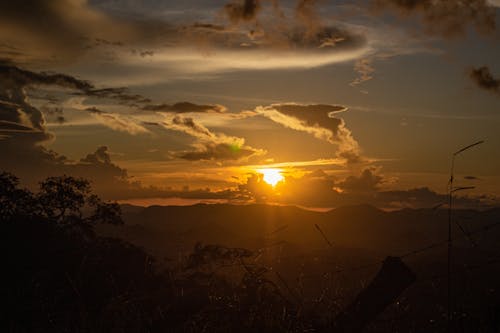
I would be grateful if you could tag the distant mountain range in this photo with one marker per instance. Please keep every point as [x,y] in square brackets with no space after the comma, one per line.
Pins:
[337,253]
[170,230]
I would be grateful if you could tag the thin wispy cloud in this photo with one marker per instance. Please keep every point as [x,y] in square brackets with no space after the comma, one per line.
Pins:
[118,122]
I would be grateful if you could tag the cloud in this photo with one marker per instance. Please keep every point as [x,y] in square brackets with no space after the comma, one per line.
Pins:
[364,67]
[291,37]
[189,126]
[307,15]
[209,151]
[23,125]
[185,107]
[54,30]
[209,145]
[18,79]
[32,163]
[424,197]
[119,94]
[367,181]
[447,18]
[23,131]
[314,189]
[53,111]
[320,189]
[63,31]
[16,107]
[323,190]
[242,10]
[318,120]
[118,122]
[483,78]
[254,189]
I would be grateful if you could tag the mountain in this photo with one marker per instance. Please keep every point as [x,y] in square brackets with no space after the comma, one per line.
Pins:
[171,230]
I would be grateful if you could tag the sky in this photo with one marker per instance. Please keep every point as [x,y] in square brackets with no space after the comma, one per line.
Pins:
[305,102]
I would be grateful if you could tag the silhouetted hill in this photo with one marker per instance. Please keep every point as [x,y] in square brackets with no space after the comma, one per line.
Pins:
[168,230]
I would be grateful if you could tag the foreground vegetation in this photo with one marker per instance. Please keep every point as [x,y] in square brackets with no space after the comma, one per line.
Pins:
[60,275]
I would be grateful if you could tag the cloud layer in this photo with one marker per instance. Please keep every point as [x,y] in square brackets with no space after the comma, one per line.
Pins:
[319,120]
[447,18]
[208,145]
[62,31]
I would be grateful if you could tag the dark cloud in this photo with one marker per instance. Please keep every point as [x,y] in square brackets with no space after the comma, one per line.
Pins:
[291,36]
[119,94]
[318,120]
[209,145]
[448,18]
[15,78]
[325,39]
[18,78]
[242,10]
[99,156]
[54,112]
[304,31]
[323,190]
[254,189]
[41,33]
[15,106]
[23,131]
[314,114]
[54,30]
[209,26]
[308,16]
[192,127]
[210,151]
[483,78]
[368,181]
[185,107]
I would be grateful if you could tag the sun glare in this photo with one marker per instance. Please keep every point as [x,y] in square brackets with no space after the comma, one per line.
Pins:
[272,176]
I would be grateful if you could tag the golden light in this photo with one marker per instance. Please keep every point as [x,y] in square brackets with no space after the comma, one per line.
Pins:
[272,176]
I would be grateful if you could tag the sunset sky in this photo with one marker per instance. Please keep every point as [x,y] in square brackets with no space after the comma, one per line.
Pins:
[305,102]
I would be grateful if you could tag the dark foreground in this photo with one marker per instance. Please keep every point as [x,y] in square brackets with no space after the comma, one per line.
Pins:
[72,264]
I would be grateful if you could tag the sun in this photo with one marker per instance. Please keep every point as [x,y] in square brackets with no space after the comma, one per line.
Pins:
[272,176]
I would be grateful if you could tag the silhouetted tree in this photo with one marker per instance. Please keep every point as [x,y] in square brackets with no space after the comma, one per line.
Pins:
[64,199]
[13,200]
[58,275]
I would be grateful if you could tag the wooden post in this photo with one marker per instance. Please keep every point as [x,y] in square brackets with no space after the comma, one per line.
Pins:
[392,279]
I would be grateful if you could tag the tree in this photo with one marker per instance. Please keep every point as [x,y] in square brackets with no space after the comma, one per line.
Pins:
[65,200]
[13,200]
[63,197]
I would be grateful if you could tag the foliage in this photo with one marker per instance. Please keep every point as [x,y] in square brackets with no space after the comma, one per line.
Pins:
[13,200]
[61,277]
[64,200]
